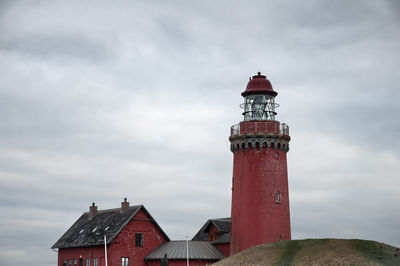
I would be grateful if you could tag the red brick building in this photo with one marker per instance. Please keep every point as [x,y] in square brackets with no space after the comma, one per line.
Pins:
[132,237]
[131,233]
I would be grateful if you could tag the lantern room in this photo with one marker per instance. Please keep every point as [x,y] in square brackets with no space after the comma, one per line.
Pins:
[259,99]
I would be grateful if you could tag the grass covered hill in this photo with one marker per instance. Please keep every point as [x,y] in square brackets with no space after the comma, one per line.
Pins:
[317,252]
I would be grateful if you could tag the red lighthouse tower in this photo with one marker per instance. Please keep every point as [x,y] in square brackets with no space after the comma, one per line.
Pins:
[260,195]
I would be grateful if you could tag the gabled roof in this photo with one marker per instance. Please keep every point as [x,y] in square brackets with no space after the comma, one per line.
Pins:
[223,239]
[201,250]
[90,231]
[222,224]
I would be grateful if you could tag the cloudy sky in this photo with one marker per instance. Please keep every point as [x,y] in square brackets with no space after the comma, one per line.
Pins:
[103,100]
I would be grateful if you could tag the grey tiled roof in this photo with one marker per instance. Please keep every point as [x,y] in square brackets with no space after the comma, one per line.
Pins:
[222,224]
[177,250]
[90,231]
[224,238]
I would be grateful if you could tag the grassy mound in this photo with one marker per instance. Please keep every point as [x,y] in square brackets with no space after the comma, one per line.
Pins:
[317,252]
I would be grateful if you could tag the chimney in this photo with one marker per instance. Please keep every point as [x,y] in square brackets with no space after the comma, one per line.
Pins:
[124,205]
[92,210]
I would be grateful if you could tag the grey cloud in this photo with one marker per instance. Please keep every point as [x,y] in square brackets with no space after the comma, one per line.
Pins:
[76,46]
[135,100]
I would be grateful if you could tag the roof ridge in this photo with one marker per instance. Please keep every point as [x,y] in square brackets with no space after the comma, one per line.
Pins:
[223,218]
[187,240]
[114,209]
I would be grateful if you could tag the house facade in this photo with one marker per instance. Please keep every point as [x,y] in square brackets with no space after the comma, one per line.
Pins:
[125,236]
[130,233]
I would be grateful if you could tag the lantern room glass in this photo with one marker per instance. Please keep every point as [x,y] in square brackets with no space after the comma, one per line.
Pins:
[259,107]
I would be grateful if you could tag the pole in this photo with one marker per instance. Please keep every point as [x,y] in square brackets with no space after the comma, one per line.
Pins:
[105,248]
[187,251]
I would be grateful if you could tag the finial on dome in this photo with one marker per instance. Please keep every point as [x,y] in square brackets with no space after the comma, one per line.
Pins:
[259,73]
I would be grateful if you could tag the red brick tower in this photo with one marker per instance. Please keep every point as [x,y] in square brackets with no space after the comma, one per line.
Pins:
[260,195]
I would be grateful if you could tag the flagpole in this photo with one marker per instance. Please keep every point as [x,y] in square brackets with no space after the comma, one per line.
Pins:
[105,248]
[187,251]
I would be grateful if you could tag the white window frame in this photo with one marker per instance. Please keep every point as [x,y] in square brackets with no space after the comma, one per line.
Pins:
[125,261]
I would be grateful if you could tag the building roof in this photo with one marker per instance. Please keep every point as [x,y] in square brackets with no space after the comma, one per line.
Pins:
[201,250]
[222,224]
[223,239]
[90,231]
[259,84]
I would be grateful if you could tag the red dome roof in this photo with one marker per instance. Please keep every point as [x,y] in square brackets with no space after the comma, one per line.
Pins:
[259,85]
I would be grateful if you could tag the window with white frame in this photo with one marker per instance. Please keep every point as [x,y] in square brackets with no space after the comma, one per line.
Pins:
[87,262]
[95,262]
[125,261]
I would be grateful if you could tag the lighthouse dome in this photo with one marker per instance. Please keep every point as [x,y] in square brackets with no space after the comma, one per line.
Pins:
[259,84]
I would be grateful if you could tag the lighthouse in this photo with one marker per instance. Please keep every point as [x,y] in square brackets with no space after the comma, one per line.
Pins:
[260,195]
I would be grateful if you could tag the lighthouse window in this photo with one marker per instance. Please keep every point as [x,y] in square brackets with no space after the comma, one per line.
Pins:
[139,239]
[87,262]
[259,107]
[278,197]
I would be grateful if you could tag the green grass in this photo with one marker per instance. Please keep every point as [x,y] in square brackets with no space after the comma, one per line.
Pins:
[289,253]
[290,249]
[377,252]
[323,251]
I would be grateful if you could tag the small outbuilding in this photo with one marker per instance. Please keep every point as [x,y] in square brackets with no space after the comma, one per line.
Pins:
[200,253]
[217,232]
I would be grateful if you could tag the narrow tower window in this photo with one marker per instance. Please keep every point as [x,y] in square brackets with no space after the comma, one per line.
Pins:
[278,197]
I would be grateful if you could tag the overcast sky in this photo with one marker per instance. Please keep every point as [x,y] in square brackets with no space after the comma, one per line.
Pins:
[101,100]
